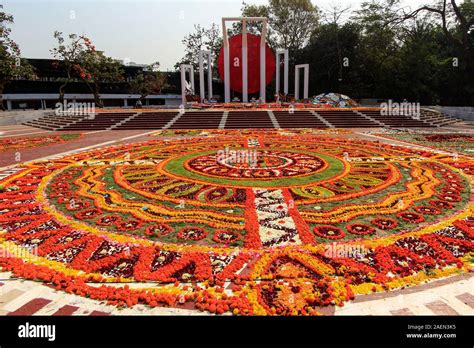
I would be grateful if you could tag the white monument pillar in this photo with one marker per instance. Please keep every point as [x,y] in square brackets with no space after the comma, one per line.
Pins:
[226,62]
[201,75]
[245,94]
[184,68]
[284,53]
[263,62]
[297,80]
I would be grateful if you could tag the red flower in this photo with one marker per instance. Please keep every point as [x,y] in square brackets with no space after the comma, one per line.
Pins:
[428,210]
[158,230]
[192,233]
[411,217]
[441,204]
[225,237]
[384,223]
[450,191]
[88,214]
[360,229]
[329,232]
[108,220]
[129,225]
[449,197]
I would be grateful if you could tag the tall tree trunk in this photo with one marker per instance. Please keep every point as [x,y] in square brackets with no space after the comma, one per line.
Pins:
[97,100]
[62,91]
[94,88]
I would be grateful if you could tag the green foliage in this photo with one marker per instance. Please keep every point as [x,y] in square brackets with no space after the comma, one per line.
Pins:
[206,39]
[293,21]
[290,22]
[393,54]
[96,68]
[70,136]
[255,28]
[79,59]
[149,81]
[11,63]
[68,54]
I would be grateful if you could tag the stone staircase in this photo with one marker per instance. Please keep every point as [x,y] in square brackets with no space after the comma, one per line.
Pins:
[396,121]
[53,122]
[207,119]
[437,118]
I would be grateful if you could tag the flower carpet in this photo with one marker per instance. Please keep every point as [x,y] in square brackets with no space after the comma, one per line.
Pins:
[23,143]
[461,143]
[315,220]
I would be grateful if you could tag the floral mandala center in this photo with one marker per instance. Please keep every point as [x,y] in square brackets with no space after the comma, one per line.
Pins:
[250,163]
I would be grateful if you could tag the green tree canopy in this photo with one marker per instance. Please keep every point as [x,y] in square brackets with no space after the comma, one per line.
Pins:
[96,68]
[12,65]
[149,81]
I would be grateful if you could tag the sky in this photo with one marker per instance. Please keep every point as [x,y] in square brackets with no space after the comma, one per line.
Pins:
[141,31]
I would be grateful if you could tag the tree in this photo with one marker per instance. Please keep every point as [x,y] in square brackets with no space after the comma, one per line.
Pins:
[456,22]
[254,27]
[80,59]
[201,39]
[378,59]
[149,81]
[291,22]
[96,68]
[422,60]
[69,57]
[333,18]
[328,46]
[11,63]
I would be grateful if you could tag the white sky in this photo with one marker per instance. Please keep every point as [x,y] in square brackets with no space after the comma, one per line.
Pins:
[143,31]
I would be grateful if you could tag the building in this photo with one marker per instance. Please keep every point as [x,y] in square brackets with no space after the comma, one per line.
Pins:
[43,91]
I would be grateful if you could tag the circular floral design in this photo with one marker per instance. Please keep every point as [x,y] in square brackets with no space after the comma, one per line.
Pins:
[360,229]
[144,213]
[226,237]
[441,204]
[428,210]
[411,217]
[329,232]
[450,197]
[158,230]
[192,233]
[129,225]
[384,223]
[87,214]
[108,220]
[248,163]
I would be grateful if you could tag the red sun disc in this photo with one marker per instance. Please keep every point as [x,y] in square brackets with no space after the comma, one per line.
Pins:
[253,63]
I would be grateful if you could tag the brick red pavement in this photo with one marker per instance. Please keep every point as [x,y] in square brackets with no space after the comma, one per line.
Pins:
[7,158]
